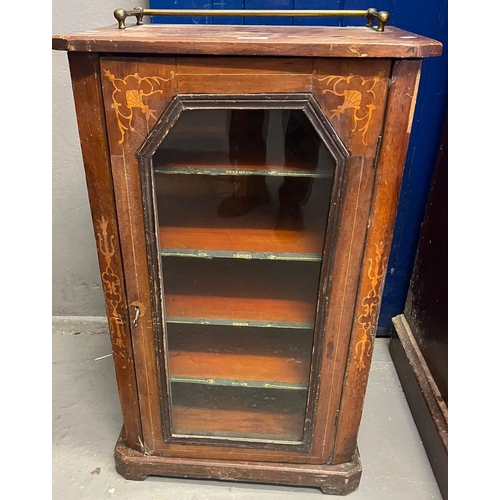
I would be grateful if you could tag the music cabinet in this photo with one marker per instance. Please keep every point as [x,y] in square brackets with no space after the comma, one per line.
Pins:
[243,183]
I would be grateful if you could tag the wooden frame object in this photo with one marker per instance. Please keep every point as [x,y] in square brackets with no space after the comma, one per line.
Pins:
[355,90]
[419,341]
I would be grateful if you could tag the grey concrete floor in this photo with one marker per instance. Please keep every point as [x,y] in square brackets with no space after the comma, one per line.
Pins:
[87,420]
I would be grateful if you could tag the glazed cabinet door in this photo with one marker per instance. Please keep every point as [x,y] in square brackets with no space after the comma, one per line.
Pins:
[243,188]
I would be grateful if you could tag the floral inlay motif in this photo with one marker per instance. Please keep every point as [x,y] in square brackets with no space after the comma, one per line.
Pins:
[129,97]
[110,281]
[369,304]
[358,94]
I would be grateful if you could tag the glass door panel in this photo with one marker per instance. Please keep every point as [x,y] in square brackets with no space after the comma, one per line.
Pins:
[242,200]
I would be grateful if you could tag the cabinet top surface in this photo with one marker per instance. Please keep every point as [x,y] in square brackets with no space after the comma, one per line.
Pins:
[301,41]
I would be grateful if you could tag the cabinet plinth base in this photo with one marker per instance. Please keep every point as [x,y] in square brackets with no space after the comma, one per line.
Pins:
[340,479]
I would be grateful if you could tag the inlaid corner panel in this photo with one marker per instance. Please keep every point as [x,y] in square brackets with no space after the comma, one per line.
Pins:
[136,91]
[352,94]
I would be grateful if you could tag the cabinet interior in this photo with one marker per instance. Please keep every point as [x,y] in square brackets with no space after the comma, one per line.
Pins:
[242,199]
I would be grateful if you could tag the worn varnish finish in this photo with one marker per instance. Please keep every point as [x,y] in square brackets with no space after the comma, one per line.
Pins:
[419,342]
[283,294]
[355,209]
[399,113]
[334,479]
[358,88]
[240,76]
[295,41]
[85,76]
[255,354]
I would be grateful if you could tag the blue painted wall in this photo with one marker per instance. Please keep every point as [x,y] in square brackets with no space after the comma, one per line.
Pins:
[425,17]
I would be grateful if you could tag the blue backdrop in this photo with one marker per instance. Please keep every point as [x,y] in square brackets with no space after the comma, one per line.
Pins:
[425,17]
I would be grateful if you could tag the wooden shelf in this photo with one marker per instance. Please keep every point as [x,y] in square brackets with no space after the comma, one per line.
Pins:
[241,293]
[190,227]
[218,163]
[262,414]
[237,424]
[247,357]
[254,384]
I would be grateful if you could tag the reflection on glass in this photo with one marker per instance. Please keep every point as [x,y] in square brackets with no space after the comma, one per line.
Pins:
[242,199]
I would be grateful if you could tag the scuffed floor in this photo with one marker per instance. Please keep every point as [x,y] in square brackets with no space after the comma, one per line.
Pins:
[87,421]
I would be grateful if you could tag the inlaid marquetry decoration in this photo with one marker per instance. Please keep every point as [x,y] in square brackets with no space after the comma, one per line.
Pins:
[130,98]
[356,95]
[110,281]
[369,304]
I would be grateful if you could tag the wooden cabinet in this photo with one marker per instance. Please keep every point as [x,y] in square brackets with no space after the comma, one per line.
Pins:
[243,184]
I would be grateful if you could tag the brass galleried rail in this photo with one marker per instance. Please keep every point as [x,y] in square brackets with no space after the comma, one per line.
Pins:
[371,14]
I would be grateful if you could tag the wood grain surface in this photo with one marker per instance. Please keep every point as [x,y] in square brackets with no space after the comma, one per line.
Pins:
[297,41]
[240,353]
[85,75]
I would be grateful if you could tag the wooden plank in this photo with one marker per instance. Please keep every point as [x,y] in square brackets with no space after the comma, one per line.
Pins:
[132,240]
[424,398]
[178,161]
[214,167]
[240,316]
[344,281]
[237,424]
[264,414]
[298,41]
[244,254]
[188,226]
[231,382]
[354,222]
[239,311]
[397,127]
[332,479]
[246,293]
[260,66]
[244,84]
[181,161]
[85,76]
[254,354]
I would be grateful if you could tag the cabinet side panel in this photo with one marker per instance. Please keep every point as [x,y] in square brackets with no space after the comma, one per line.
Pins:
[94,145]
[352,94]
[396,133]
